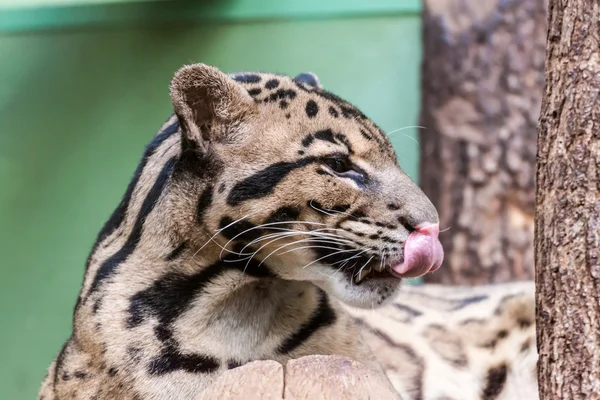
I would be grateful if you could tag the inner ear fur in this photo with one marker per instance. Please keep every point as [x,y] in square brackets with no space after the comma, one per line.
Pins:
[204,97]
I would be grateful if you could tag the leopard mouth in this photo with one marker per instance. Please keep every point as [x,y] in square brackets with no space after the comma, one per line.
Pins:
[373,270]
[422,254]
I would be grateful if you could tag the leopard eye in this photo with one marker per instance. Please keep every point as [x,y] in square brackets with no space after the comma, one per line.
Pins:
[339,165]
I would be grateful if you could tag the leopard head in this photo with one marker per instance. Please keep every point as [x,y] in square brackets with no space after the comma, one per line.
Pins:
[299,182]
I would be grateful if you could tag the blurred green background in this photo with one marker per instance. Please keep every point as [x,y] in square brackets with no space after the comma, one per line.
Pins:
[84,86]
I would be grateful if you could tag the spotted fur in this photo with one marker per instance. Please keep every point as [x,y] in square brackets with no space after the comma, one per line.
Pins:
[239,238]
[457,343]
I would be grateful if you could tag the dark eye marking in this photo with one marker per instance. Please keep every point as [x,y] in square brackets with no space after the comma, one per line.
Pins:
[338,165]
[262,183]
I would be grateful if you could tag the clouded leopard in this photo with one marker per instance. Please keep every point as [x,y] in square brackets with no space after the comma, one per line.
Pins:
[260,211]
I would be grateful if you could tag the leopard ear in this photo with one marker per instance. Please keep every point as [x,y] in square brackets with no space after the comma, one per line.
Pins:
[310,79]
[205,98]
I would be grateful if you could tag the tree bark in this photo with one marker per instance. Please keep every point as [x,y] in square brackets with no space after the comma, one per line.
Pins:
[482,81]
[567,229]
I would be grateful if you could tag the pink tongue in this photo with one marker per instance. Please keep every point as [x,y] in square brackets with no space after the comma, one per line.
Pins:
[423,252]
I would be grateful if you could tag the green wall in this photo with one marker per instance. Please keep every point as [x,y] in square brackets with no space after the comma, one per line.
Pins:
[78,105]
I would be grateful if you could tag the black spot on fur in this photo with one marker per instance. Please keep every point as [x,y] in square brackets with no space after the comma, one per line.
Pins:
[262,183]
[170,361]
[393,207]
[307,141]
[404,222]
[343,139]
[301,152]
[283,214]
[272,84]
[108,267]
[247,78]
[231,364]
[222,187]
[326,135]
[112,371]
[288,115]
[524,323]
[311,109]
[281,94]
[321,317]
[204,202]
[97,305]
[314,204]
[496,378]
[254,92]
[357,214]
[176,251]
[525,346]
[118,215]
[333,112]
[241,230]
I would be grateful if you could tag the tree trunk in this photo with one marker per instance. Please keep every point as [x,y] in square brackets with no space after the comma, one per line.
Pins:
[482,81]
[567,229]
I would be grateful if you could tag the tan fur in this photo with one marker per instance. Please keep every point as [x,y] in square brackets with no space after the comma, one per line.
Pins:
[439,342]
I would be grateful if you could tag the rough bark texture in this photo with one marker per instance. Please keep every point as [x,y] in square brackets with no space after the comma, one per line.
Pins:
[482,81]
[567,234]
[307,378]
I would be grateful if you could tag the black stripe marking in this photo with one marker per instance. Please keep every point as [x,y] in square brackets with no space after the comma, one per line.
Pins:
[231,364]
[109,266]
[281,94]
[177,251]
[264,182]
[247,78]
[241,230]
[326,135]
[204,202]
[333,112]
[172,360]
[118,214]
[495,380]
[366,135]
[322,317]
[283,214]
[58,366]
[171,295]
[409,310]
